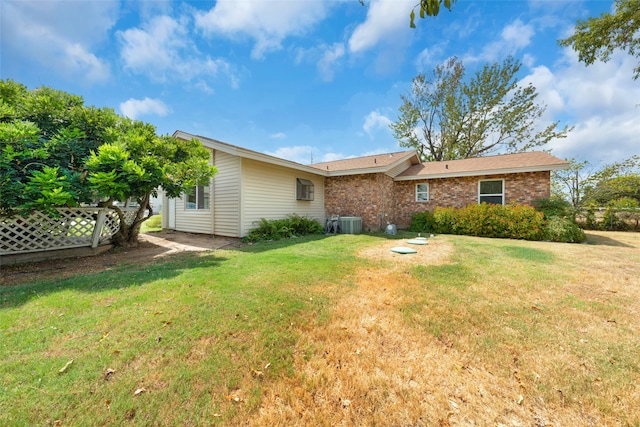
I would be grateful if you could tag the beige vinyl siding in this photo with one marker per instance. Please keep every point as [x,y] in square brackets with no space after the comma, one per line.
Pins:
[195,220]
[269,191]
[192,220]
[226,195]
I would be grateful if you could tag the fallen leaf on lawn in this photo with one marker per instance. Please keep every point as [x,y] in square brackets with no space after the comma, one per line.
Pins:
[234,398]
[108,374]
[65,367]
[104,336]
[57,423]
[139,391]
[257,374]
[520,399]
[166,324]
[267,365]
[217,415]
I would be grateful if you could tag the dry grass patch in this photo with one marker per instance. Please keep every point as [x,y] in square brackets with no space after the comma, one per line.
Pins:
[495,332]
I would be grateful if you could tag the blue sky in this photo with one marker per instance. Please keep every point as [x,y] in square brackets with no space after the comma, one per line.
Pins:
[303,78]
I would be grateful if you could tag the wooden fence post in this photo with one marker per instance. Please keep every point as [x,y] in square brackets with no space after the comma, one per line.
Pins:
[97,231]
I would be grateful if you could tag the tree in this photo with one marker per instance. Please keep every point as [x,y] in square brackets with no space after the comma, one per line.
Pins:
[55,152]
[584,185]
[446,117]
[597,38]
[428,8]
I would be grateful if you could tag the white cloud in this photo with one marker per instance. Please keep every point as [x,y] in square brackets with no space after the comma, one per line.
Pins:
[601,99]
[299,153]
[60,35]
[267,22]
[514,37]
[328,64]
[278,135]
[517,34]
[326,57]
[375,121]
[162,50]
[386,21]
[134,108]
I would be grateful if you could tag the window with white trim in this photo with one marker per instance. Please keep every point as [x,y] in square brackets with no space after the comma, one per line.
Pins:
[304,189]
[422,192]
[198,198]
[491,191]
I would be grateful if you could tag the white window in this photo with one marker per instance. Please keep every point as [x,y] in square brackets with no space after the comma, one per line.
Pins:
[198,197]
[422,192]
[491,191]
[304,189]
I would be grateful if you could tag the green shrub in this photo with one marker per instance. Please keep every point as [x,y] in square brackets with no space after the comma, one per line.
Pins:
[154,222]
[554,207]
[422,222]
[276,229]
[560,229]
[487,220]
[445,220]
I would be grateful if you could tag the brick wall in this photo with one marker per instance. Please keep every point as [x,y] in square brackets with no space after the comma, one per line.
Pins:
[378,199]
[521,188]
[369,196]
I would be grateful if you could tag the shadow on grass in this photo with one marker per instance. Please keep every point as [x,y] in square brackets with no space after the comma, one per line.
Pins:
[289,242]
[596,239]
[119,277]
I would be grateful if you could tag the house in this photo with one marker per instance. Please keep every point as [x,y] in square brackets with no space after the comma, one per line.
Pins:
[380,189]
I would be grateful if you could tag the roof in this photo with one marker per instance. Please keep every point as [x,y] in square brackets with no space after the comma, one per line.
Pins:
[246,153]
[534,161]
[367,164]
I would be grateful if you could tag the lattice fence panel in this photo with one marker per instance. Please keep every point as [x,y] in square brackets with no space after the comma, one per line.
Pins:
[74,227]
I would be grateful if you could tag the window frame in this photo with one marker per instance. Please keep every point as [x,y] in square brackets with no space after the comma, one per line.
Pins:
[202,198]
[305,189]
[418,192]
[501,194]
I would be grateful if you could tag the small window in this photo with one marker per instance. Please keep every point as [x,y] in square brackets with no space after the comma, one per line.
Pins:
[491,192]
[422,192]
[198,198]
[304,189]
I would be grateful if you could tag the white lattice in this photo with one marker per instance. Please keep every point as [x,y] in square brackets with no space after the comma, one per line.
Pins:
[73,227]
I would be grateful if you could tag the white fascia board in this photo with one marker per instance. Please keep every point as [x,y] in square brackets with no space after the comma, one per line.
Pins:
[484,172]
[248,154]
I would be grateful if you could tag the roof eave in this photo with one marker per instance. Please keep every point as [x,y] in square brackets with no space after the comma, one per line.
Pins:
[484,172]
[379,169]
[248,154]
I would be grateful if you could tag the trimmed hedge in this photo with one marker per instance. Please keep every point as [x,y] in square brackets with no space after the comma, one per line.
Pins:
[488,220]
[497,221]
[276,229]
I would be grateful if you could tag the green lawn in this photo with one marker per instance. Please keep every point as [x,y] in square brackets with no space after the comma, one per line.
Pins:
[198,339]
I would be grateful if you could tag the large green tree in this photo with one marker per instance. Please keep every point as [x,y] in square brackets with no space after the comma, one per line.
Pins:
[582,184]
[55,152]
[597,38]
[446,116]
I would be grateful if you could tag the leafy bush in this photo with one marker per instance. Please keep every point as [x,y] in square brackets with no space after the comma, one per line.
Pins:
[276,229]
[486,220]
[560,229]
[554,207]
[422,222]
[155,222]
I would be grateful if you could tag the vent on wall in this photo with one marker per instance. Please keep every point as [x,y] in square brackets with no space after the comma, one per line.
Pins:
[350,224]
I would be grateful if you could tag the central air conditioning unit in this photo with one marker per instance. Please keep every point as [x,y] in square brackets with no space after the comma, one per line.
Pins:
[350,224]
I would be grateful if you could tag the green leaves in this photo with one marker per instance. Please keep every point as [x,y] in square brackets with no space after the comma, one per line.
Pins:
[448,116]
[429,8]
[597,38]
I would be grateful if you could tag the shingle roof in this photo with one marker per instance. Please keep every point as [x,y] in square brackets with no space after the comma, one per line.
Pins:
[375,161]
[504,163]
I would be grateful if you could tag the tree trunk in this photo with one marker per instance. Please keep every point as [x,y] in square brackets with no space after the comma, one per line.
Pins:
[127,236]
